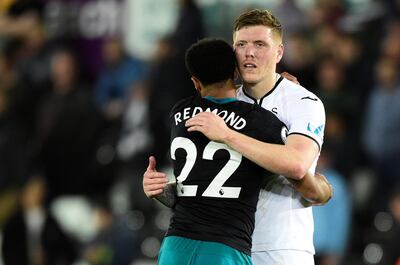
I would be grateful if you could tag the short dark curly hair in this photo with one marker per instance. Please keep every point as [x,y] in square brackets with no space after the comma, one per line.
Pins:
[211,61]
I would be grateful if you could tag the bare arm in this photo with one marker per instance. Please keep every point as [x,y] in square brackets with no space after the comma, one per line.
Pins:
[156,186]
[292,159]
[314,188]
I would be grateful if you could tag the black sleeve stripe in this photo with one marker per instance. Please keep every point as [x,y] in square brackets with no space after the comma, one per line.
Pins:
[319,147]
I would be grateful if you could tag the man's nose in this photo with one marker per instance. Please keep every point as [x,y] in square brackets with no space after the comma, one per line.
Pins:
[250,52]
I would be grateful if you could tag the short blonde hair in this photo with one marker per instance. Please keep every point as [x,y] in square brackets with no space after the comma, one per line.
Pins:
[258,17]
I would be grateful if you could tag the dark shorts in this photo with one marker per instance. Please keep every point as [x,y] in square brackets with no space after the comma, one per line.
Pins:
[183,251]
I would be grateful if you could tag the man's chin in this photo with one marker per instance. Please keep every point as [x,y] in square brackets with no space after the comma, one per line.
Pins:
[250,81]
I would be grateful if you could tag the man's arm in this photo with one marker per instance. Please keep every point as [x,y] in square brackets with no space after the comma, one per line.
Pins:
[168,196]
[156,186]
[291,160]
[314,188]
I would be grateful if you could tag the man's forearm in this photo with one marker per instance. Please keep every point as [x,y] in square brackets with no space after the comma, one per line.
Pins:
[281,159]
[168,196]
[291,160]
[314,188]
[284,160]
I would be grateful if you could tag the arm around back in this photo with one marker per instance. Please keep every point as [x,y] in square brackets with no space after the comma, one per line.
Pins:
[292,159]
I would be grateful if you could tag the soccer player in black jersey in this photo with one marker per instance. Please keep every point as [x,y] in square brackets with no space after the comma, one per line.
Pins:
[217,188]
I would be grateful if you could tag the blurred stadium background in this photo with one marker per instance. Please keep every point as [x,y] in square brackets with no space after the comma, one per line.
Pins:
[85,89]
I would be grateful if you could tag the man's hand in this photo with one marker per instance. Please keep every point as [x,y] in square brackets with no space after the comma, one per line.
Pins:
[290,77]
[315,189]
[154,182]
[209,124]
[327,189]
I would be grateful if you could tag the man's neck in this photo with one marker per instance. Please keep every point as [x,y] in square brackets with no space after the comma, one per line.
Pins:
[220,90]
[260,89]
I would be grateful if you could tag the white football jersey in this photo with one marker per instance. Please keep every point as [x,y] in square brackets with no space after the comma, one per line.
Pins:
[282,219]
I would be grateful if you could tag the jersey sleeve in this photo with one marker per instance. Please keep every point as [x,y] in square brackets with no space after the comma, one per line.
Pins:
[307,117]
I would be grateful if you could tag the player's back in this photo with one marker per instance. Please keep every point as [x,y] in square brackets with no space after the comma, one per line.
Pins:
[217,187]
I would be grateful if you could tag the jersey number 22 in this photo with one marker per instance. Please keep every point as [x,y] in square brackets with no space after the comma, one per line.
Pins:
[215,188]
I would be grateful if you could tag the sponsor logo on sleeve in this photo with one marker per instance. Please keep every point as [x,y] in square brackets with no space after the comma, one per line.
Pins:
[315,130]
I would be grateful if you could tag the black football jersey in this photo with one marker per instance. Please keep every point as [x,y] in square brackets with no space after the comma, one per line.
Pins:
[217,187]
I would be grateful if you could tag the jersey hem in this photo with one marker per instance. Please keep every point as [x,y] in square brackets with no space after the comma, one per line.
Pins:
[263,248]
[209,239]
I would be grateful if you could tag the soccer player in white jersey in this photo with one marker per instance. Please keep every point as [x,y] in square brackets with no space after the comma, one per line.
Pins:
[284,223]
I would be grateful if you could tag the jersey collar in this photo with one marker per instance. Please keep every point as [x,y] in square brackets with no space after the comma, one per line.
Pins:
[267,94]
[220,100]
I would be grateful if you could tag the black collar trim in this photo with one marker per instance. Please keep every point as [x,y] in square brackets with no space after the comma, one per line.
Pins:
[266,95]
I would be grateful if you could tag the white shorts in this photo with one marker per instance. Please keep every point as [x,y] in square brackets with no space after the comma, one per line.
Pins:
[282,257]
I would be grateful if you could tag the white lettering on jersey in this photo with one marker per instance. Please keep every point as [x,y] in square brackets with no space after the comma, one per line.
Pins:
[186,113]
[196,110]
[232,119]
[223,114]
[240,124]
[177,117]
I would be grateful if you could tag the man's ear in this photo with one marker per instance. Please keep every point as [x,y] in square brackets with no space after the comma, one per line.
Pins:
[196,83]
[280,53]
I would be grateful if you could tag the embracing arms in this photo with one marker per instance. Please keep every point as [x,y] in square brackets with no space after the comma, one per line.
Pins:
[313,188]
[291,160]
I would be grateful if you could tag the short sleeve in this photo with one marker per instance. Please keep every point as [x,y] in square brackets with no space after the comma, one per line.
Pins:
[307,117]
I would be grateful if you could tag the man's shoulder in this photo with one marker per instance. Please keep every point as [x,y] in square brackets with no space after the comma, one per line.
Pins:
[298,97]
[183,103]
[296,91]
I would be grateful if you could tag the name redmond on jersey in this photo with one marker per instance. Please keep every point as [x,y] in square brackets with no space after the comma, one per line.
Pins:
[230,118]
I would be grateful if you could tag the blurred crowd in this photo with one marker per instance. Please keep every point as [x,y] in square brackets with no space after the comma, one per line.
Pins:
[78,122]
